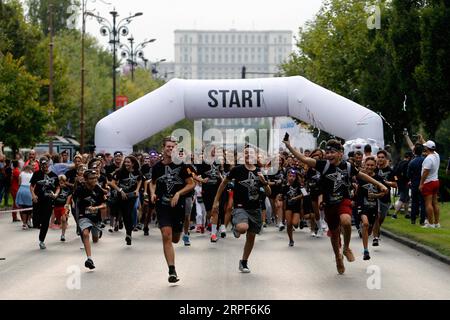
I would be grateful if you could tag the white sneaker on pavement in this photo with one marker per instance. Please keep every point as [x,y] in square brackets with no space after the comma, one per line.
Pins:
[223,231]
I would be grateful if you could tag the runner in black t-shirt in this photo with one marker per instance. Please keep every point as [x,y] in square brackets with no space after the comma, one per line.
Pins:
[367,196]
[292,195]
[44,186]
[385,172]
[72,173]
[312,178]
[188,198]
[148,207]
[210,176]
[276,180]
[114,197]
[127,182]
[89,200]
[62,204]
[336,181]
[170,184]
[247,216]
[96,164]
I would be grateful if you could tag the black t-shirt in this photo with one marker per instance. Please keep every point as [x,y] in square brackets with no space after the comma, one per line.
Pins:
[64,194]
[128,181]
[362,196]
[110,170]
[85,198]
[387,175]
[278,178]
[291,191]
[169,180]
[336,182]
[44,184]
[401,172]
[246,187]
[146,171]
[212,172]
[313,181]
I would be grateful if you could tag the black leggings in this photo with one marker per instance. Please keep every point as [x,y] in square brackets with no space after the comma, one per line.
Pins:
[44,209]
[126,208]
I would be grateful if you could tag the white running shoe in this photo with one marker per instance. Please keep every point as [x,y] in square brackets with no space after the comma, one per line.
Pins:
[428,226]
[223,231]
[437,225]
[319,233]
[313,234]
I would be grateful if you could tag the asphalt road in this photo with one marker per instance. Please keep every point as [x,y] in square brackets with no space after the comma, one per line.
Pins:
[210,271]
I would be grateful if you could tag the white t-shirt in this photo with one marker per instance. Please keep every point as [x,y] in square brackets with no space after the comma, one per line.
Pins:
[26,178]
[431,163]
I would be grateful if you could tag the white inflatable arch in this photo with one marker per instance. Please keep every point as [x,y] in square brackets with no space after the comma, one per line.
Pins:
[253,98]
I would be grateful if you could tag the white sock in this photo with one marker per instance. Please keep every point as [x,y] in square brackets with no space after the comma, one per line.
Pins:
[89,257]
[398,206]
[318,224]
[214,228]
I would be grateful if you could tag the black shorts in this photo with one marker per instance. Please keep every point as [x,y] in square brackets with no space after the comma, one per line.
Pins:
[294,207]
[370,213]
[171,217]
[307,205]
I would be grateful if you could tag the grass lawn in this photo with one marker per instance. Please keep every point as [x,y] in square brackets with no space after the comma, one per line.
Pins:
[10,202]
[438,239]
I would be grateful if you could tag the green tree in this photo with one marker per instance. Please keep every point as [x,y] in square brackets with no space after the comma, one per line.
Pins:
[38,13]
[433,73]
[22,120]
[16,35]
[374,68]
[332,47]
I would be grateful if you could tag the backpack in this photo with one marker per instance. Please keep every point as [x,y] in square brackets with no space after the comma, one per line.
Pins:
[401,170]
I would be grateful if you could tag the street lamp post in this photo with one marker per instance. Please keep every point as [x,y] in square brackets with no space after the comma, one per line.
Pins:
[134,52]
[50,87]
[114,30]
[84,14]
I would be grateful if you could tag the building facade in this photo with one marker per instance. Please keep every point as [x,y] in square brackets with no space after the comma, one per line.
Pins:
[212,54]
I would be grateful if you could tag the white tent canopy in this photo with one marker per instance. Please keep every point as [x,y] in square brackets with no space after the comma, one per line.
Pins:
[199,99]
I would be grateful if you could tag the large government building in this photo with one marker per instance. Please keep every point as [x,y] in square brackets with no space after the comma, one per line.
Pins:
[208,54]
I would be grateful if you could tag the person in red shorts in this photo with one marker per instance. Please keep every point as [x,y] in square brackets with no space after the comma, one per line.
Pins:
[336,180]
[62,205]
[429,184]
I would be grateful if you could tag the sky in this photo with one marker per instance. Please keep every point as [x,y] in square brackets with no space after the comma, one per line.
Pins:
[162,18]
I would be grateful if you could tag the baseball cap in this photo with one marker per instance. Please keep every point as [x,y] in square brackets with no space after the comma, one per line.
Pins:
[118,154]
[43,160]
[430,145]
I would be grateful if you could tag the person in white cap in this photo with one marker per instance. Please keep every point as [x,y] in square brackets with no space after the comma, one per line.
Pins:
[429,184]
